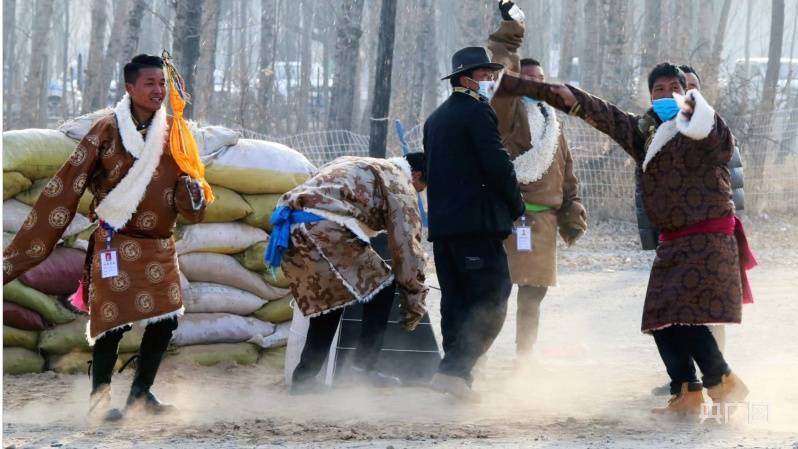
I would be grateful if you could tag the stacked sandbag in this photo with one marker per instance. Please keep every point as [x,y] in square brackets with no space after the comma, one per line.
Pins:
[235,307]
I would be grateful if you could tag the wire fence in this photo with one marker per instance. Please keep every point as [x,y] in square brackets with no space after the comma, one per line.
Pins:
[768,145]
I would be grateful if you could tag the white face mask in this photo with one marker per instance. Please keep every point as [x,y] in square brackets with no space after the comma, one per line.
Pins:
[486,88]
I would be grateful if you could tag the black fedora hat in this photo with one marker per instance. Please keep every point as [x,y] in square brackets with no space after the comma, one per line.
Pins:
[471,58]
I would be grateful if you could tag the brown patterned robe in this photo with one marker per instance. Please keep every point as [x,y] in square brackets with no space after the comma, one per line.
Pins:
[694,279]
[148,285]
[330,263]
[555,185]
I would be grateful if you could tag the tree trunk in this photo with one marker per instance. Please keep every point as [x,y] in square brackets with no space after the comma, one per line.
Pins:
[65,62]
[108,68]
[186,38]
[651,37]
[774,57]
[791,69]
[35,113]
[429,32]
[709,86]
[268,46]
[612,49]
[346,52]
[204,83]
[382,80]
[99,20]
[568,18]
[589,62]
[130,43]
[306,67]
[9,60]
[749,12]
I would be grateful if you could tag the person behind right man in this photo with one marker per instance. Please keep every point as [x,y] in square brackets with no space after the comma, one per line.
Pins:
[698,277]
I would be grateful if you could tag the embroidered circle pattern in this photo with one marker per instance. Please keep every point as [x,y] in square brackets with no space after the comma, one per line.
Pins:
[78,156]
[108,151]
[30,220]
[10,251]
[147,220]
[36,249]
[109,311]
[79,183]
[8,267]
[59,217]
[165,244]
[116,171]
[130,251]
[92,139]
[154,272]
[120,282]
[144,302]
[174,293]
[53,188]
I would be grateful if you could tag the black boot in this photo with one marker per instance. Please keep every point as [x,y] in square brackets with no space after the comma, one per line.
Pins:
[102,368]
[141,398]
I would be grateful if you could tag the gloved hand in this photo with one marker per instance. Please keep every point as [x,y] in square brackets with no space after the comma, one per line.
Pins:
[510,11]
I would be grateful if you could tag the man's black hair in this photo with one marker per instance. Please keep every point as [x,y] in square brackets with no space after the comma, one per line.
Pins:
[689,69]
[416,161]
[530,61]
[455,80]
[665,70]
[139,62]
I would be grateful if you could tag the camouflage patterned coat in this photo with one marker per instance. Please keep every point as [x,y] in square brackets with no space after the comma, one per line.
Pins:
[330,263]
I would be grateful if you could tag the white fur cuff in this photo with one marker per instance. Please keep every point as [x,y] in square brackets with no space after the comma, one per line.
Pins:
[701,123]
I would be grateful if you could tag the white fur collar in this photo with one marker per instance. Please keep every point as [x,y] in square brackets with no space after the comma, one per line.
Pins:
[665,132]
[403,164]
[697,127]
[703,120]
[121,203]
[531,165]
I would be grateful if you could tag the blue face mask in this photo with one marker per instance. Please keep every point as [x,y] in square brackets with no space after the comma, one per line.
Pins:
[665,108]
[529,101]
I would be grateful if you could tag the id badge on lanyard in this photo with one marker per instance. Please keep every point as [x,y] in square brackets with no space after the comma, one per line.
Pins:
[523,236]
[109,266]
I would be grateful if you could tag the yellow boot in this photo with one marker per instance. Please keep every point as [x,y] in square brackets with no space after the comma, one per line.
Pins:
[684,403]
[731,389]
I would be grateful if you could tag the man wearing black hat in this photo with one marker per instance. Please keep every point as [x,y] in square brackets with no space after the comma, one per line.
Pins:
[473,199]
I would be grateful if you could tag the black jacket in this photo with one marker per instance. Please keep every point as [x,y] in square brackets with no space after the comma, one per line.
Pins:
[471,184]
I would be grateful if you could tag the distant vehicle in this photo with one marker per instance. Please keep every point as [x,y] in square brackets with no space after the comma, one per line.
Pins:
[756,76]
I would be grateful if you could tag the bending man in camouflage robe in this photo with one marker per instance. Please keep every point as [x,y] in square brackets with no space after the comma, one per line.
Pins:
[323,228]
[126,162]
[698,277]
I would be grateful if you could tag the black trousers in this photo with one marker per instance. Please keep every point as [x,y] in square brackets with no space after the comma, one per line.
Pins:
[104,353]
[679,346]
[475,285]
[322,330]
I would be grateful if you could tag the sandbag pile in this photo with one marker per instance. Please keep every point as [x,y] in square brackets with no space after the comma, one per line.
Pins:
[236,309]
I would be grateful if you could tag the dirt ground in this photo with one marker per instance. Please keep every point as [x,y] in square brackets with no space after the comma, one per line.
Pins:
[592,388]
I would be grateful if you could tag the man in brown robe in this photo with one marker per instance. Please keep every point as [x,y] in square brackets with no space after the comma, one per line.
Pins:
[698,277]
[534,137]
[126,162]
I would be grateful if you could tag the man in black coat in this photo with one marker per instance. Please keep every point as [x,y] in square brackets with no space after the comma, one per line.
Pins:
[473,200]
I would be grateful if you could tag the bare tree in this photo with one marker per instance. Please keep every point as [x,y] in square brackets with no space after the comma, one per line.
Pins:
[429,34]
[568,18]
[9,59]
[651,38]
[589,62]
[710,85]
[65,60]
[132,32]
[612,44]
[92,90]
[774,56]
[35,115]
[306,66]
[346,51]
[186,40]
[204,84]
[382,81]
[268,47]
